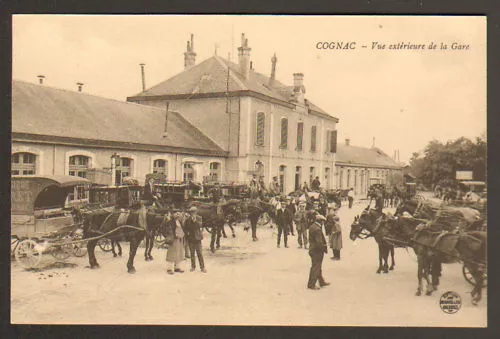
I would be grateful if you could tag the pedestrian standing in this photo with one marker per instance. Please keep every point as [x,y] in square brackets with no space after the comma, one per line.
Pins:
[175,252]
[290,206]
[283,218]
[301,223]
[194,236]
[334,233]
[350,197]
[317,250]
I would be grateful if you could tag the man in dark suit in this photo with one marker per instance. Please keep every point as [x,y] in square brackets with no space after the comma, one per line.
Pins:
[317,249]
[194,235]
[284,218]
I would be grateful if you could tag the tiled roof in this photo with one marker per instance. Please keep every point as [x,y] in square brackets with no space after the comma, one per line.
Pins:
[211,76]
[41,110]
[364,156]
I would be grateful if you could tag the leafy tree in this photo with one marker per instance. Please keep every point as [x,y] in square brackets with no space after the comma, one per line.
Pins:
[440,161]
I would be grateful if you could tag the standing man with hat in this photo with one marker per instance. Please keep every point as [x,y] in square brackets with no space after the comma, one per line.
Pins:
[333,230]
[193,228]
[283,219]
[274,188]
[300,219]
[317,250]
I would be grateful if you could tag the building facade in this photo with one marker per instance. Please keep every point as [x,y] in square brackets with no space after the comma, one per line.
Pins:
[71,133]
[267,128]
[361,167]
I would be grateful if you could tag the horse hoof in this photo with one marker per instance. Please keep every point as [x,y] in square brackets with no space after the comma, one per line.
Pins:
[131,270]
[418,293]
[378,271]
[428,293]
[115,255]
[120,254]
[386,271]
[94,266]
[234,235]
[146,259]
[150,258]
[391,268]
[212,250]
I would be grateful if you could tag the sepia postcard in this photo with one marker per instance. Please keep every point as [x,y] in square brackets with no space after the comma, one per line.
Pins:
[249,170]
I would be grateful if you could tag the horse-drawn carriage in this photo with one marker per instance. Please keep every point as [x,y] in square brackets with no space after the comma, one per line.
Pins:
[41,221]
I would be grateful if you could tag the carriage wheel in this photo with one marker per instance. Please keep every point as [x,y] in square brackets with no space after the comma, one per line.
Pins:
[79,248]
[105,244]
[264,219]
[28,253]
[470,278]
[62,252]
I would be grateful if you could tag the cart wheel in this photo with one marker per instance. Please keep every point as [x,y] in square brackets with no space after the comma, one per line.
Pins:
[470,278]
[105,244]
[28,253]
[62,252]
[264,219]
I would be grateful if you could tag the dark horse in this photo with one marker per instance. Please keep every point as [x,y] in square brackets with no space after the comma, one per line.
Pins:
[99,223]
[435,244]
[368,221]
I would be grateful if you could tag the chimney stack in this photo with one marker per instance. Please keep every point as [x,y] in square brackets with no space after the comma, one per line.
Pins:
[40,79]
[190,55]
[244,57]
[143,77]
[80,85]
[373,144]
[298,87]
[347,141]
[273,70]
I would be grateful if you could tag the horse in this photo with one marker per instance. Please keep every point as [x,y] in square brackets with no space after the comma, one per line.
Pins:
[215,221]
[434,244]
[368,221]
[98,223]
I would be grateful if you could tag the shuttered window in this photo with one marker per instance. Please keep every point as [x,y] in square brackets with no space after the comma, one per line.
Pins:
[332,141]
[261,120]
[284,133]
[313,139]
[300,135]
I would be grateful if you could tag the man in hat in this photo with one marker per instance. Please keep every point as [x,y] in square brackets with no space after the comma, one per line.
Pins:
[274,188]
[317,249]
[334,232]
[283,219]
[290,205]
[301,225]
[350,197]
[315,184]
[193,229]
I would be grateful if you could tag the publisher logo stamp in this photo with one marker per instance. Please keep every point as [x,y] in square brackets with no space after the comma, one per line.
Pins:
[450,302]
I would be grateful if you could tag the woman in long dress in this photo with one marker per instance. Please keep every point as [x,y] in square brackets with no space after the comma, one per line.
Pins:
[176,250]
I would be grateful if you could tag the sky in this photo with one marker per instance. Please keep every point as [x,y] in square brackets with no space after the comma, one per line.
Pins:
[402,98]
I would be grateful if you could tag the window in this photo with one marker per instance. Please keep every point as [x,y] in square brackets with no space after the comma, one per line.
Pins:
[261,120]
[312,174]
[188,174]
[214,171]
[300,135]
[313,139]
[78,165]
[282,178]
[284,133]
[160,166]
[23,164]
[356,181]
[125,167]
[259,168]
[327,177]
[298,175]
[331,141]
[348,178]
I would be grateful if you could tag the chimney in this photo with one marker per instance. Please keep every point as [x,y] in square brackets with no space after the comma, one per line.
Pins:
[143,77]
[298,87]
[190,55]
[244,57]
[373,144]
[347,141]
[40,79]
[273,70]
[80,85]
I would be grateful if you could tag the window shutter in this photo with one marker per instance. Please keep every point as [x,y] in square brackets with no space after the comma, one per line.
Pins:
[313,139]
[284,133]
[333,141]
[300,135]
[261,119]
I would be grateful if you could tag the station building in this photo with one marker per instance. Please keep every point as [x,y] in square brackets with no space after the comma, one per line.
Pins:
[265,127]
[361,167]
[57,131]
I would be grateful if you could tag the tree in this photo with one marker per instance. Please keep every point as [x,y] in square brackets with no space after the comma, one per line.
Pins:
[440,161]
